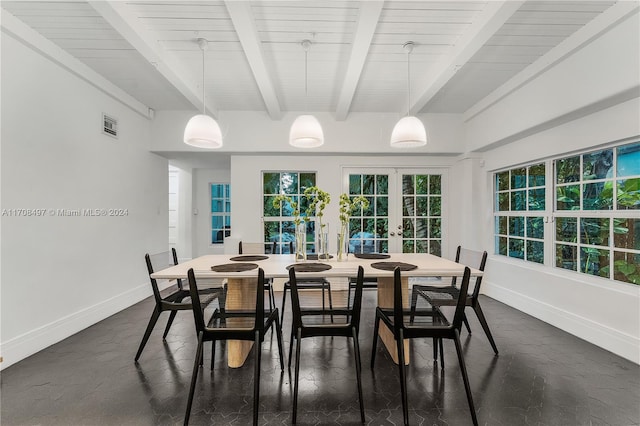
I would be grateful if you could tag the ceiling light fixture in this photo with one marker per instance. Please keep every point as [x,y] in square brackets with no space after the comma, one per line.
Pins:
[202,131]
[306,131]
[409,132]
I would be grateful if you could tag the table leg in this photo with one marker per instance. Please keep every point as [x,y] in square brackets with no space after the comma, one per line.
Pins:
[241,294]
[385,300]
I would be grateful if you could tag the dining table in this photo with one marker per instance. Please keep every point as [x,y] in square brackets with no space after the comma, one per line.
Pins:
[241,280]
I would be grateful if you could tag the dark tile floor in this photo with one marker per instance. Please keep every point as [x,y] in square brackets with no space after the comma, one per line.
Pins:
[543,376]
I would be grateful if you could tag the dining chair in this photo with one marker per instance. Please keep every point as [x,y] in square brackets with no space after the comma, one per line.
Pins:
[424,323]
[234,325]
[448,296]
[307,284]
[261,248]
[178,300]
[312,322]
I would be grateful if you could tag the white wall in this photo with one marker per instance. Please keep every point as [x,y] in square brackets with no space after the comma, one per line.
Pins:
[606,313]
[62,274]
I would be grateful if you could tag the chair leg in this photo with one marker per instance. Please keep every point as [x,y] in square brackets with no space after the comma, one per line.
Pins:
[172,316]
[330,301]
[440,342]
[293,337]
[485,326]
[297,377]
[374,344]
[356,349]
[465,378]
[194,378]
[414,302]
[284,299]
[213,353]
[280,343]
[349,294]
[403,377]
[466,322]
[435,350]
[257,347]
[147,332]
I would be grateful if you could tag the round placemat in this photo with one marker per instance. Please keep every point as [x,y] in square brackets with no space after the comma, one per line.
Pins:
[309,267]
[315,257]
[249,257]
[234,267]
[391,266]
[372,256]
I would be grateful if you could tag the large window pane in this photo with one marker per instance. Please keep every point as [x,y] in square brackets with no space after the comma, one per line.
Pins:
[567,257]
[597,165]
[516,226]
[597,196]
[537,199]
[594,231]
[626,233]
[535,251]
[594,261]
[567,229]
[628,194]
[568,170]
[502,181]
[535,228]
[516,248]
[626,267]
[537,175]
[628,159]
[568,197]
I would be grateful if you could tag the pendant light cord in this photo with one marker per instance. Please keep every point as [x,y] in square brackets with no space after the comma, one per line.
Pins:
[409,79]
[204,107]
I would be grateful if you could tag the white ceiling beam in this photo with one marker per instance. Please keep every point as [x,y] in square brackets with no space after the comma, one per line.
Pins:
[118,15]
[368,18]
[19,30]
[492,18]
[245,26]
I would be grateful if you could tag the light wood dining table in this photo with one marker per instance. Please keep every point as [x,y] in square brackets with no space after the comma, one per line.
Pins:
[241,285]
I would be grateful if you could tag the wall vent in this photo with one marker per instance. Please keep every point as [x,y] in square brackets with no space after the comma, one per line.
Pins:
[109,125]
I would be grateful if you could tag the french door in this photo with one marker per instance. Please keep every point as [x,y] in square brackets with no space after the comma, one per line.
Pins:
[406,212]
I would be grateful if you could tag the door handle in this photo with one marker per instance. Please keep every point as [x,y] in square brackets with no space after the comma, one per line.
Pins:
[393,234]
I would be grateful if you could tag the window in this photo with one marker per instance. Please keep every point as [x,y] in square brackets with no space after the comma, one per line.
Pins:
[220,212]
[595,212]
[519,201]
[278,222]
[597,228]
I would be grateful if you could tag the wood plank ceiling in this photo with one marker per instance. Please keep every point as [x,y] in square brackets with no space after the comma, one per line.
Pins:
[463,49]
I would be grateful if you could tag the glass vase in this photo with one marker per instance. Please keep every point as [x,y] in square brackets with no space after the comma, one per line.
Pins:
[323,242]
[301,242]
[343,242]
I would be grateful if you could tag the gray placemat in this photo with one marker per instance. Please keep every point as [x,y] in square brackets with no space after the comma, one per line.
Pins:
[372,256]
[249,257]
[391,266]
[234,267]
[309,267]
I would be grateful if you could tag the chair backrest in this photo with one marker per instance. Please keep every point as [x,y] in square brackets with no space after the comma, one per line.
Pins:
[356,307]
[158,262]
[198,314]
[473,259]
[398,306]
[256,248]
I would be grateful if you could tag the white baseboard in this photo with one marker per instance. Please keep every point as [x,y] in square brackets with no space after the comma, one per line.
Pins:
[33,341]
[621,344]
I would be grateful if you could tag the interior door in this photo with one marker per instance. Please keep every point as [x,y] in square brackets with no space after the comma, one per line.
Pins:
[405,213]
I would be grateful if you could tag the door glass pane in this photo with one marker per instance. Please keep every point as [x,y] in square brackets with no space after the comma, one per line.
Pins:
[629,194]
[594,261]
[535,251]
[594,231]
[568,170]
[422,184]
[368,184]
[355,184]
[626,233]
[596,165]
[502,181]
[382,206]
[566,257]
[628,160]
[382,184]
[422,207]
[567,229]
[626,267]
[518,178]
[597,196]
[435,184]
[435,206]
[568,197]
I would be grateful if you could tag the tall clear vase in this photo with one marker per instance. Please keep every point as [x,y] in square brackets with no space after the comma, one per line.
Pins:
[343,242]
[323,242]
[301,242]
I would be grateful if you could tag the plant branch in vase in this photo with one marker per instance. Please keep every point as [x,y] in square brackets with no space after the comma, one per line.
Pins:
[348,206]
[318,201]
[299,222]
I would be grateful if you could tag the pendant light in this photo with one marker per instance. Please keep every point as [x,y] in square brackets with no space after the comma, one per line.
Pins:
[409,132]
[202,131]
[306,131]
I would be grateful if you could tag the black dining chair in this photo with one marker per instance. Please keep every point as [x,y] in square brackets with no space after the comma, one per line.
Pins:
[448,296]
[234,325]
[178,300]
[312,322]
[261,248]
[307,284]
[423,323]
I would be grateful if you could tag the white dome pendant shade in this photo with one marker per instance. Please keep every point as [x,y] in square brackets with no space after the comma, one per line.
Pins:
[306,131]
[409,132]
[202,131]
